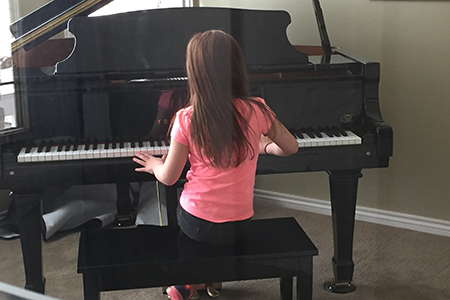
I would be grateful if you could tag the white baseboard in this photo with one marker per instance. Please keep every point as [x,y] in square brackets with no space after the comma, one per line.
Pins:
[372,215]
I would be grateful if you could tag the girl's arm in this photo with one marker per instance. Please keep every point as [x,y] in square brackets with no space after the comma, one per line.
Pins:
[168,168]
[278,141]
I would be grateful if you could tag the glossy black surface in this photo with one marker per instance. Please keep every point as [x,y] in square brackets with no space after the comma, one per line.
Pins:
[149,256]
[157,56]
[93,97]
[51,13]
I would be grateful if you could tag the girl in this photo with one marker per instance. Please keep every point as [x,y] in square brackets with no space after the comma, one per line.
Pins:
[222,131]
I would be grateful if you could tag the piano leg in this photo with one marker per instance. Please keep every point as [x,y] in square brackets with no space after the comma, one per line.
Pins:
[28,208]
[343,191]
[126,216]
[170,194]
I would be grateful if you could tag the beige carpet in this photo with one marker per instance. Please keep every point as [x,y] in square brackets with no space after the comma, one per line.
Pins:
[391,263]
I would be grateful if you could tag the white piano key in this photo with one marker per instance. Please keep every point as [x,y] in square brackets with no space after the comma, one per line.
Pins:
[110,151]
[41,154]
[97,153]
[326,140]
[90,152]
[21,156]
[76,154]
[103,150]
[116,151]
[67,153]
[82,151]
[147,146]
[164,147]
[320,141]
[34,154]
[52,154]
[125,151]
[313,141]
[306,141]
[345,140]
[333,140]
[138,147]
[131,149]
[157,148]
[354,138]
[62,153]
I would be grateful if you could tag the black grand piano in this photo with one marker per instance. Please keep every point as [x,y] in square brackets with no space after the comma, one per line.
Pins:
[86,102]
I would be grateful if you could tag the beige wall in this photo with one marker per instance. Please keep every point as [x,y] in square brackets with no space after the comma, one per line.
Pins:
[410,40]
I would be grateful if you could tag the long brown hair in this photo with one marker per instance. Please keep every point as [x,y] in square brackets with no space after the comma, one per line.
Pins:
[217,75]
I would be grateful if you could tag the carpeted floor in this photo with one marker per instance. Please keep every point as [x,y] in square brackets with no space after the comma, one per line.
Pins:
[391,263]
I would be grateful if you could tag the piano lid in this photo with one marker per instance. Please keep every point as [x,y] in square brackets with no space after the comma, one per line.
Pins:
[152,43]
[48,20]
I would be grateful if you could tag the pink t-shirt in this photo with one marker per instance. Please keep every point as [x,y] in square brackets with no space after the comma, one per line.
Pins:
[221,195]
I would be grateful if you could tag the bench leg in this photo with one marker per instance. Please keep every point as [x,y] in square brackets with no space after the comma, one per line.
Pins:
[91,287]
[286,288]
[305,279]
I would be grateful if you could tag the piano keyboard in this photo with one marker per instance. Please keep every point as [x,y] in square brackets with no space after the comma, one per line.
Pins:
[50,152]
[324,136]
[306,137]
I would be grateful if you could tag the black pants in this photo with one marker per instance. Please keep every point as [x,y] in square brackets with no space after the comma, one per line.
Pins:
[204,231]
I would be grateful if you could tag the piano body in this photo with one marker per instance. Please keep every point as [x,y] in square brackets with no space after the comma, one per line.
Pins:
[104,94]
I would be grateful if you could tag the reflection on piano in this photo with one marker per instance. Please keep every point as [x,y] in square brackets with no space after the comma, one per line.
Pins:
[85,120]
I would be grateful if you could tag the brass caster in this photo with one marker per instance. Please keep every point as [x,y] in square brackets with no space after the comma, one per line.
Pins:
[212,292]
[339,287]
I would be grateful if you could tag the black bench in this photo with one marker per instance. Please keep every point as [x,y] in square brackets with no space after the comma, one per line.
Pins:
[152,256]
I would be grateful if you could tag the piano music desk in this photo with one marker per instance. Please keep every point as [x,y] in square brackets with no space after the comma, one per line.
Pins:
[152,256]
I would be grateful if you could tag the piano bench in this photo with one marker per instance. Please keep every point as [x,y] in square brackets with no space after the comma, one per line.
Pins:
[152,256]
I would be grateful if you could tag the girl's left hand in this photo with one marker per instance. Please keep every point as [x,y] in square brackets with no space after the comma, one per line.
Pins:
[148,161]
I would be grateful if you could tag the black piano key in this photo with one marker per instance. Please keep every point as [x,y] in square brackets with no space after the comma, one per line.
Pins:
[87,144]
[42,146]
[334,131]
[61,144]
[329,130]
[298,133]
[29,146]
[95,144]
[49,146]
[69,142]
[324,130]
[315,132]
[307,132]
[340,130]
[295,134]
[75,145]
[106,144]
[112,143]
